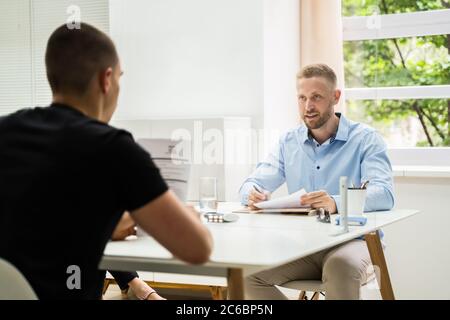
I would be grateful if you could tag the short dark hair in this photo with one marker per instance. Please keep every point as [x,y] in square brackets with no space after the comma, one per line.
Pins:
[318,70]
[74,56]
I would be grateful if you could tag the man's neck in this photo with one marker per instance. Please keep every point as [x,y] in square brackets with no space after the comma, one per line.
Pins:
[326,131]
[83,105]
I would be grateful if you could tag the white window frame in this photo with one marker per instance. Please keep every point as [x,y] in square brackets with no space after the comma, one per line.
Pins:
[398,93]
[399,25]
[387,26]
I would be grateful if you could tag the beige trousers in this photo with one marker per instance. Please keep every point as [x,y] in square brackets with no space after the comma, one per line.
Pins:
[342,269]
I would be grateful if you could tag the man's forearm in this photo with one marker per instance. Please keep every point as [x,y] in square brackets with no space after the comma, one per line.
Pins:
[379,198]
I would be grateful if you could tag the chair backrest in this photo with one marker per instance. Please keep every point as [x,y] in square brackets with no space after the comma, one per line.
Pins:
[13,285]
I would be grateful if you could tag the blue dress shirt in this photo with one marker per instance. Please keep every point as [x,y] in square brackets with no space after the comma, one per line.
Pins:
[356,151]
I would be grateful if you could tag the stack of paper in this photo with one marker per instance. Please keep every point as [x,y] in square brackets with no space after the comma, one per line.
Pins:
[290,201]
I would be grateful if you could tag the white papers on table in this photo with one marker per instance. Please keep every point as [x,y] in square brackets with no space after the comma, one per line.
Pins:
[290,201]
[174,170]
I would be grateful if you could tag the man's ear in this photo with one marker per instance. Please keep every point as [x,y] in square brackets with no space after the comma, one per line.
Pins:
[337,96]
[106,80]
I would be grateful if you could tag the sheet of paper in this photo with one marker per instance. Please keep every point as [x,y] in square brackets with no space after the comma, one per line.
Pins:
[290,201]
[174,170]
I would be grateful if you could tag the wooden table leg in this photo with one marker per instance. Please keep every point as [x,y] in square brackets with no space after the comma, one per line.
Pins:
[377,257]
[235,284]
[106,284]
[216,292]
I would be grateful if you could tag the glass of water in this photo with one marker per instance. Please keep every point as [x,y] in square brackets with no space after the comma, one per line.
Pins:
[208,194]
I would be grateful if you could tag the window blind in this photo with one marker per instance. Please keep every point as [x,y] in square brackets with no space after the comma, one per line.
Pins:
[25,27]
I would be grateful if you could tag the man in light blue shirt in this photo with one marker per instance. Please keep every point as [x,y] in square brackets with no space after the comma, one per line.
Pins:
[313,156]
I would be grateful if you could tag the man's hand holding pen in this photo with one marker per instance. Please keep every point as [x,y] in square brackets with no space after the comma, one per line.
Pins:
[256,195]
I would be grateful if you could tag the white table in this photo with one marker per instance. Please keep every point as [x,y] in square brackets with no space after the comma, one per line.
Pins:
[253,243]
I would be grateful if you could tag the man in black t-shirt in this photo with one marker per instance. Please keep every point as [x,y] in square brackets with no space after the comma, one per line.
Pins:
[66,176]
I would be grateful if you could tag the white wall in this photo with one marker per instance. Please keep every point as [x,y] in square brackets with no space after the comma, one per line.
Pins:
[197,58]
[281,64]
[417,250]
[208,59]
[432,156]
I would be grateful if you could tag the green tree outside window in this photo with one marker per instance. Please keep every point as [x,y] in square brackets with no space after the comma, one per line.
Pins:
[411,61]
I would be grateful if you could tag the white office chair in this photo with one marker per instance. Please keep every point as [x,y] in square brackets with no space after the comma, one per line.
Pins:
[369,290]
[13,285]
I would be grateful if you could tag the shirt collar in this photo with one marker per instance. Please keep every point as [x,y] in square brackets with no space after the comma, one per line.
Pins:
[67,107]
[304,134]
[341,134]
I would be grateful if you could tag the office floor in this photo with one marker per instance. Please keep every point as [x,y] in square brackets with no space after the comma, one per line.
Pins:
[113,293]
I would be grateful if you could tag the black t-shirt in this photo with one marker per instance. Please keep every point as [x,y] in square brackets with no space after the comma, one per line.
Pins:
[65,181]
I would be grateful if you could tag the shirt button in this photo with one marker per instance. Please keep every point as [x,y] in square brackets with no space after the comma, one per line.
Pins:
[318,167]
[318,145]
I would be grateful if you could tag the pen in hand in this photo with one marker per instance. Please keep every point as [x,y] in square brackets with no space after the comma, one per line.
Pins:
[254,187]
[262,192]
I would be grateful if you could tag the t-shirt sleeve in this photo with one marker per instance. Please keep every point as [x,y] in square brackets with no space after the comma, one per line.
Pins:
[138,178]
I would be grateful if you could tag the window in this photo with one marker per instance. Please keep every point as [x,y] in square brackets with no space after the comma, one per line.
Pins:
[25,28]
[397,69]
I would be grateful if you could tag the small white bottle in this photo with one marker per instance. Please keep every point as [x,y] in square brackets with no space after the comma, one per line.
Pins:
[344,204]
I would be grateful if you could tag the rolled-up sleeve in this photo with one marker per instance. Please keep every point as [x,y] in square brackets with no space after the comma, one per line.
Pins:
[268,175]
[377,169]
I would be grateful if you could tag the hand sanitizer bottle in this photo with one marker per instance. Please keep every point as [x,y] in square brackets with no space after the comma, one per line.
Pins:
[344,205]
